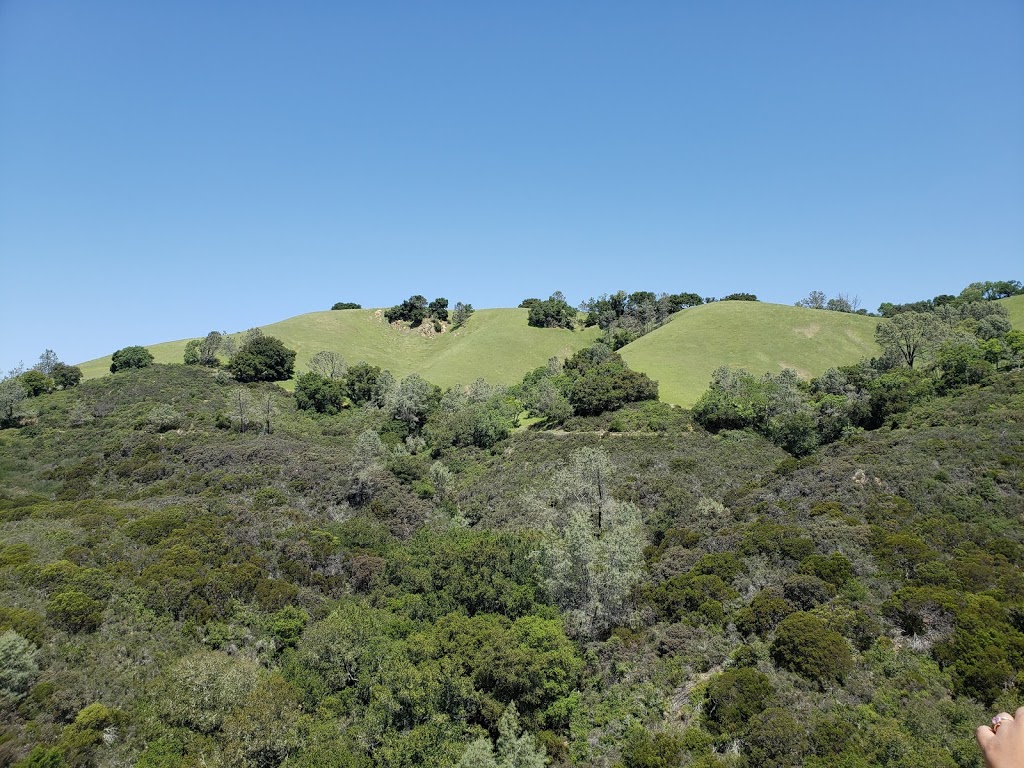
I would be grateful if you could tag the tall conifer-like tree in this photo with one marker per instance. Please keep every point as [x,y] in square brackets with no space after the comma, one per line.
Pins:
[594,553]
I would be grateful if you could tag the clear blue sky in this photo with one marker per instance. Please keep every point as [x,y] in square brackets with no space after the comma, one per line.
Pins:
[168,168]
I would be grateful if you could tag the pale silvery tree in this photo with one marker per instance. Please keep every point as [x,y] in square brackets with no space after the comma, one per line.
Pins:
[594,551]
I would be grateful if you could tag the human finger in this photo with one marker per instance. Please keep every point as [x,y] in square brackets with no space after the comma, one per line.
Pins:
[984,734]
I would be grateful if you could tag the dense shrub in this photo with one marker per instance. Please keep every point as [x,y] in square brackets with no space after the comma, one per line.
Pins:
[75,611]
[764,612]
[806,645]
[733,697]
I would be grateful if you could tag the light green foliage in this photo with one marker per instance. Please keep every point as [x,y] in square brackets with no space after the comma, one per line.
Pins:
[191,354]
[479,415]
[335,651]
[162,753]
[204,351]
[41,757]
[461,313]
[36,383]
[910,335]
[773,406]
[163,418]
[515,749]
[328,364]
[265,728]
[411,400]
[960,364]
[12,394]
[594,552]
[201,689]
[479,754]
[18,667]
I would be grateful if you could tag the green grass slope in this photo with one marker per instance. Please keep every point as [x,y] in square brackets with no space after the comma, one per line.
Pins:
[760,337]
[494,344]
[1015,306]
[498,345]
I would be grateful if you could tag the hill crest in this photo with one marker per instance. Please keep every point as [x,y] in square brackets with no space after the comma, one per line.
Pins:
[498,345]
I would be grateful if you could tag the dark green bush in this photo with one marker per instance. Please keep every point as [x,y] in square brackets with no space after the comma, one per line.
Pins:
[733,698]
[806,645]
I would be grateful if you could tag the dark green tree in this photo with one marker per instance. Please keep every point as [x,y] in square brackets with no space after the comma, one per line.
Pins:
[413,311]
[263,358]
[66,376]
[347,305]
[553,312]
[363,384]
[599,381]
[764,612]
[739,297]
[314,392]
[130,357]
[438,309]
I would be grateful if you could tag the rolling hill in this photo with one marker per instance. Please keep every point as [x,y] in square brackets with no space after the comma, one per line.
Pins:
[1015,306]
[683,354]
[498,345]
[495,344]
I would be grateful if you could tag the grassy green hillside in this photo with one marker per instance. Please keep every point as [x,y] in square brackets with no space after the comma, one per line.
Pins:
[760,337]
[498,345]
[1015,305]
[495,344]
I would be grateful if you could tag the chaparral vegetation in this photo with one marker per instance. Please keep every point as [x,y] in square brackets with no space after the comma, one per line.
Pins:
[199,566]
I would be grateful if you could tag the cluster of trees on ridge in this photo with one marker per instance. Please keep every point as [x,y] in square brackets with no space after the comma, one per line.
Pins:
[49,374]
[415,310]
[360,588]
[624,317]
